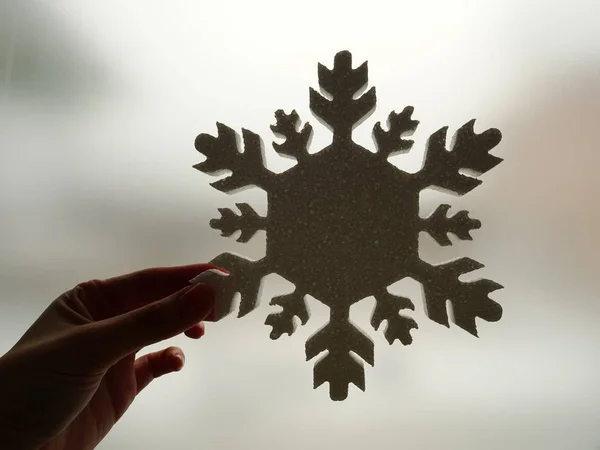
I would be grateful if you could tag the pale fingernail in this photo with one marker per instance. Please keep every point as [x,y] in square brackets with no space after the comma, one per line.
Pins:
[207,275]
[220,281]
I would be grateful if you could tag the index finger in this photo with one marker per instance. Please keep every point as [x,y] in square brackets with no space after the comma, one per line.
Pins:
[121,294]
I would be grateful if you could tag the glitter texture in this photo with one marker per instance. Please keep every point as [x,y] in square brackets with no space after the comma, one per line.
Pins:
[343,224]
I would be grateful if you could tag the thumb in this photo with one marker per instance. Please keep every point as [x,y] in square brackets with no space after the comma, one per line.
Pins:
[155,322]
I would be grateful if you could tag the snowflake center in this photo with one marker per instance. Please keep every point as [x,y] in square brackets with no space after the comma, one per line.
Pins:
[345,205]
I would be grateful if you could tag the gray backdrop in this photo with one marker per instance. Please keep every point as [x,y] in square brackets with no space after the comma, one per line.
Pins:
[100,103]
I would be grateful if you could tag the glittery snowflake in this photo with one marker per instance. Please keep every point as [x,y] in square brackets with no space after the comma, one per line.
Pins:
[343,224]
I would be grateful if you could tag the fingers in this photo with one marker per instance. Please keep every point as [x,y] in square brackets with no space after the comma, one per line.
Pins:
[116,337]
[157,364]
[119,295]
[196,332]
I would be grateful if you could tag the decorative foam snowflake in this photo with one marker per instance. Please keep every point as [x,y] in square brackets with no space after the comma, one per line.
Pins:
[343,224]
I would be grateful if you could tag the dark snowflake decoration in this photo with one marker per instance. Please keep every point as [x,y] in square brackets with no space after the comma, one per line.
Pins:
[343,224]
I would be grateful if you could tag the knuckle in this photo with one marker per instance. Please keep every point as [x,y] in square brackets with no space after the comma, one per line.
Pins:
[89,287]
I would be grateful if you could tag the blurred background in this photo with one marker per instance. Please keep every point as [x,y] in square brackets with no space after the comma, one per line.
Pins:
[100,103]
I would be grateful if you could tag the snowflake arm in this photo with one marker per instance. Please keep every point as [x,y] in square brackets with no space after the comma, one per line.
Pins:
[399,125]
[469,299]
[343,111]
[339,337]
[222,154]
[248,222]
[438,225]
[282,322]
[296,142]
[245,277]
[469,151]
[387,307]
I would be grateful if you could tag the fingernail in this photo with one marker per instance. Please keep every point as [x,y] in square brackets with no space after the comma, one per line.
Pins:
[208,275]
[180,361]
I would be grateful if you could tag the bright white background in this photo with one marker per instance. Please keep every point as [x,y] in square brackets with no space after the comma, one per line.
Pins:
[100,103]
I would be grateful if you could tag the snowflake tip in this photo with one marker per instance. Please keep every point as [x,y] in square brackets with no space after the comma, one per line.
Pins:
[280,115]
[493,286]
[343,76]
[466,265]
[280,326]
[343,61]
[245,308]
[410,125]
[401,332]
[493,313]
[340,371]
[205,139]
[493,135]
[442,210]
[439,136]
[275,334]
[466,139]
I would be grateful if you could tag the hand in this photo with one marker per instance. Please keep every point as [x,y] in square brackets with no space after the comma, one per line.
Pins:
[74,372]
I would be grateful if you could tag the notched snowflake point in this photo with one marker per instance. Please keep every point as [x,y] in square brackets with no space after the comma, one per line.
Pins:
[387,308]
[293,305]
[339,367]
[469,299]
[469,152]
[439,225]
[342,83]
[344,223]
[296,141]
[399,125]
[248,222]
[223,154]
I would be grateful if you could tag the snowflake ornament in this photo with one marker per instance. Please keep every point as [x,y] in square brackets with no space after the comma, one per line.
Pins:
[343,224]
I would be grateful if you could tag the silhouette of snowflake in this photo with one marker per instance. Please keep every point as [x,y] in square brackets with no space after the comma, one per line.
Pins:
[343,224]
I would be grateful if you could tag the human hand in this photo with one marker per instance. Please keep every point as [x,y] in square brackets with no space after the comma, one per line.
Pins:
[74,373]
